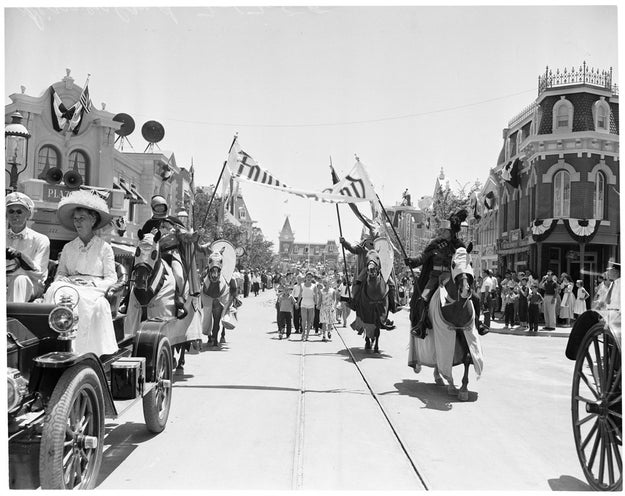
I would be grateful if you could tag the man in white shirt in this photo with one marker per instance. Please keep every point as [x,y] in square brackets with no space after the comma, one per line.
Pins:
[489,284]
[27,251]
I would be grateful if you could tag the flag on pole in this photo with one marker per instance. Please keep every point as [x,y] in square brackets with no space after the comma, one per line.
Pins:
[69,119]
[511,173]
[84,99]
[355,187]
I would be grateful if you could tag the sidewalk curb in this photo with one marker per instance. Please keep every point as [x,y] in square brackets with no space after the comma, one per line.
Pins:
[552,334]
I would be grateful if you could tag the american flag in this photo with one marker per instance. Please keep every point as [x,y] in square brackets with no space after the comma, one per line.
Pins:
[84,99]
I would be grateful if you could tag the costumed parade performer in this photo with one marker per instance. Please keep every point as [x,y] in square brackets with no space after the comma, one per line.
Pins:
[435,261]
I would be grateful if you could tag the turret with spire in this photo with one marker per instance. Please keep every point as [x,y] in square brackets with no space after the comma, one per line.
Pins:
[286,237]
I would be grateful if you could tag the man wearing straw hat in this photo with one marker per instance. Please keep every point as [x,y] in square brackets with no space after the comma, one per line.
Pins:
[27,251]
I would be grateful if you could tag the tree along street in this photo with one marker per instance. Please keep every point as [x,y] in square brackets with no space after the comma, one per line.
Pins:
[263,413]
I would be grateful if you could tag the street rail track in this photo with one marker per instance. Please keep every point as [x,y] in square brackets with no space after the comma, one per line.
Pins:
[298,464]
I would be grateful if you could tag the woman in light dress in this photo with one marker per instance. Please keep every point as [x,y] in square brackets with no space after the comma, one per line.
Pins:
[580,299]
[327,311]
[568,299]
[87,264]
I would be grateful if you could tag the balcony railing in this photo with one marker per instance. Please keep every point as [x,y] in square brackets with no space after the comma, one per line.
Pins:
[583,75]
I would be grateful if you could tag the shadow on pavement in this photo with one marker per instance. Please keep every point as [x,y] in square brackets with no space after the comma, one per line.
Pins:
[432,396]
[360,354]
[119,444]
[568,483]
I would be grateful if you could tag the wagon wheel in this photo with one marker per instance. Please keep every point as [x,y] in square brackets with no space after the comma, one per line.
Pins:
[157,402]
[73,430]
[596,409]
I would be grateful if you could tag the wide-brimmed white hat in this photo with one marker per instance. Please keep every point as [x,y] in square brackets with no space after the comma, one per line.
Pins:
[83,199]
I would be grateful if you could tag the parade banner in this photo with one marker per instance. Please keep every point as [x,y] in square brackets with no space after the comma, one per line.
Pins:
[354,187]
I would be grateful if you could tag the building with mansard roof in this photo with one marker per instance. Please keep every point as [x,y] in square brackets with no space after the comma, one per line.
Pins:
[558,178]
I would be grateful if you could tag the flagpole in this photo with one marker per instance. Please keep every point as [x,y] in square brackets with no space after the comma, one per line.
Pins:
[218,181]
[338,216]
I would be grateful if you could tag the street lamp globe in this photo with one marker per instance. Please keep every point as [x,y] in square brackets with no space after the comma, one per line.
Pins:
[15,139]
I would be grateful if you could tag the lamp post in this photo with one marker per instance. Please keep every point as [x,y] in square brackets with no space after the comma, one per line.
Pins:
[16,140]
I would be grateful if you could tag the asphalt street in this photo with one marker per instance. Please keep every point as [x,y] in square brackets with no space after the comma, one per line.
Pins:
[261,413]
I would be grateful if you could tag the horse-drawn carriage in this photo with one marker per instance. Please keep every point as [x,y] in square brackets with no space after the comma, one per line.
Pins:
[58,399]
[596,401]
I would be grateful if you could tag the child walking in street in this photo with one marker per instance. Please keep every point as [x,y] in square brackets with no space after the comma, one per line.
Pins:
[285,306]
[327,309]
[534,301]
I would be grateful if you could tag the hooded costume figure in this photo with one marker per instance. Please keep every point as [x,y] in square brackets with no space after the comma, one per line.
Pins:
[435,261]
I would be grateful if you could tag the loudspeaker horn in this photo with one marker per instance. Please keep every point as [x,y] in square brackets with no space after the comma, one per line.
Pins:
[54,175]
[72,179]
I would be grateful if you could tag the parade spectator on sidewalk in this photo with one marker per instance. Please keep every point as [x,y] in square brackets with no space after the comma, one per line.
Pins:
[27,251]
[550,288]
[488,293]
[255,280]
[581,296]
[509,296]
[535,300]
[285,304]
[246,283]
[523,303]
[568,299]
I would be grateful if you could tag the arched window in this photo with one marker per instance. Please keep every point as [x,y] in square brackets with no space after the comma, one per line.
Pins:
[561,194]
[598,200]
[601,114]
[47,158]
[562,116]
[78,162]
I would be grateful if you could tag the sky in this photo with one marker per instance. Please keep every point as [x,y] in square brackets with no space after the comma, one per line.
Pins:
[408,89]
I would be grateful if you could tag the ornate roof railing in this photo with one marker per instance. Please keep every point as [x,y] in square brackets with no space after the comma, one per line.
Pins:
[526,112]
[583,75]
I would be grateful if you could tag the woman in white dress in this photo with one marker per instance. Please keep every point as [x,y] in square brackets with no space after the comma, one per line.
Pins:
[87,263]
[568,299]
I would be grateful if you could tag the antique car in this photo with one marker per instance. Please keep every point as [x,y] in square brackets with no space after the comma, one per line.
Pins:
[596,401]
[58,400]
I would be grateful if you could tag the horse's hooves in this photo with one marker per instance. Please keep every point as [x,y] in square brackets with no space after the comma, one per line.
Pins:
[179,369]
[463,395]
[439,382]
[453,390]
[375,350]
[222,340]
[417,368]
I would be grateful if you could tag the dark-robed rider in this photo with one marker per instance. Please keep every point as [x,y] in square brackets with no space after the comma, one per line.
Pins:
[361,250]
[435,261]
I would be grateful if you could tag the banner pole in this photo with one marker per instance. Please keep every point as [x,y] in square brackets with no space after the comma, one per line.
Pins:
[338,216]
[218,181]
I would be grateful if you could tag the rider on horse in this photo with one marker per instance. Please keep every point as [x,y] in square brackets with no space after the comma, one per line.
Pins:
[169,244]
[361,250]
[436,262]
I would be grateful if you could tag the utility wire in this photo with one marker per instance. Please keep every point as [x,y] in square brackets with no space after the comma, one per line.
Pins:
[350,123]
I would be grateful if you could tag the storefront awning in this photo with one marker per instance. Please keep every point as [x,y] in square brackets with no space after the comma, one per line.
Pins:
[121,184]
[138,197]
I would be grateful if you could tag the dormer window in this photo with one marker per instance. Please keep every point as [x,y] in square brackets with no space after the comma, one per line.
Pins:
[601,115]
[562,116]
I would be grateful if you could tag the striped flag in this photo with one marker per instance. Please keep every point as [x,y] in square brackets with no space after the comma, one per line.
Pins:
[84,99]
[355,187]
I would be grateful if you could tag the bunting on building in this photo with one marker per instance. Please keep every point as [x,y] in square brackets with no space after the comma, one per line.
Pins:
[542,228]
[511,173]
[69,119]
[582,230]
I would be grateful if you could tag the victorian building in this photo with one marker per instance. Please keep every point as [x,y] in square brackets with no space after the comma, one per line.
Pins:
[68,151]
[305,255]
[557,198]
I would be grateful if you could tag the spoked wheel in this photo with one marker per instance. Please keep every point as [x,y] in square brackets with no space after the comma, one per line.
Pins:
[157,402]
[73,431]
[596,409]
